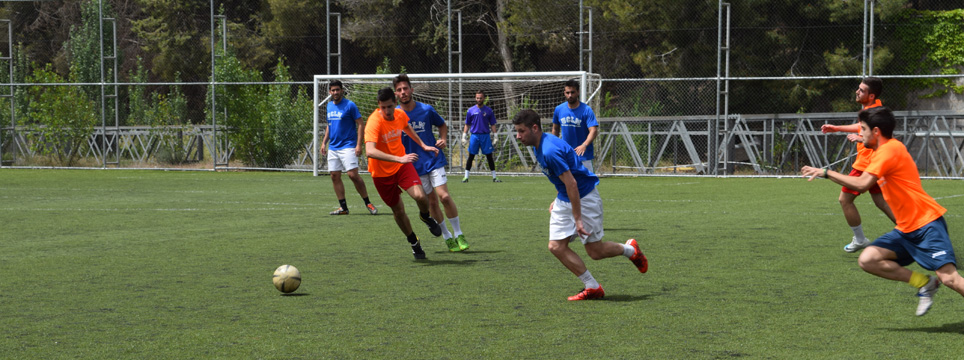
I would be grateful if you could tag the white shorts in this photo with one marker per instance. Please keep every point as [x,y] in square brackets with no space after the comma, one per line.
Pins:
[342,160]
[432,179]
[563,227]
[588,165]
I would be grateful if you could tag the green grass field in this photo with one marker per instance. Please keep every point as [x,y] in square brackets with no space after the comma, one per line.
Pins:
[153,264]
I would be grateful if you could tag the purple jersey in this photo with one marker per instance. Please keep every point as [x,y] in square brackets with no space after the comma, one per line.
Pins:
[479,119]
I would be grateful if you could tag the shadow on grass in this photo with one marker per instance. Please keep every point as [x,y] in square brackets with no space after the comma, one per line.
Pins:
[625,297]
[953,328]
[296,294]
[469,252]
[430,262]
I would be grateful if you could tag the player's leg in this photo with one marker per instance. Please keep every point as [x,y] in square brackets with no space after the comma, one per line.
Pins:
[562,230]
[468,166]
[882,262]
[951,278]
[362,189]
[485,146]
[878,198]
[410,182]
[596,248]
[491,160]
[390,192]
[339,194]
[846,199]
[435,211]
[335,168]
[451,212]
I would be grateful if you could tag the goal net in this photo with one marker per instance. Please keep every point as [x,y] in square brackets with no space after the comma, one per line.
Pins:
[452,95]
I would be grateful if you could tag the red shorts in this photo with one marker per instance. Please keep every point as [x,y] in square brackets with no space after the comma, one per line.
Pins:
[856,173]
[389,187]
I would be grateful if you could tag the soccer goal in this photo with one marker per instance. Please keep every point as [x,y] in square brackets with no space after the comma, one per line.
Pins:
[453,94]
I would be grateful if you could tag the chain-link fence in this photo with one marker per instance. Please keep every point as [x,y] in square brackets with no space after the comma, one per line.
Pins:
[690,87]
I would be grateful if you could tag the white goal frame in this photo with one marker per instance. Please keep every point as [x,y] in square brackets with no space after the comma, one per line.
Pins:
[583,76]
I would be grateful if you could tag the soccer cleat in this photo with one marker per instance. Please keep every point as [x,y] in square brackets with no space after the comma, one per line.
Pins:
[926,295]
[638,258]
[452,244]
[496,180]
[465,179]
[463,245]
[433,226]
[855,246]
[372,209]
[589,294]
[417,251]
[339,211]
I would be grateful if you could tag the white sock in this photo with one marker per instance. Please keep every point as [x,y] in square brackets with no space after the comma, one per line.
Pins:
[456,227]
[493,174]
[466,173]
[859,232]
[628,251]
[445,230]
[590,281]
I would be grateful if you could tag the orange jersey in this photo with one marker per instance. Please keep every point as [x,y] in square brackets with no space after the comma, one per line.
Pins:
[900,182]
[863,153]
[387,136]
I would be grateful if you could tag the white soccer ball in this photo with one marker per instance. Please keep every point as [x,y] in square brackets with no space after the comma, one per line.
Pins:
[287,278]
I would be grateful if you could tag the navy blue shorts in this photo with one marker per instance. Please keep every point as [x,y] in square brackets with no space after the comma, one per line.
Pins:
[480,142]
[929,246]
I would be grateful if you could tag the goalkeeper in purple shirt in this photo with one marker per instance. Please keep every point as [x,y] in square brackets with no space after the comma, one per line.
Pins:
[576,212]
[480,120]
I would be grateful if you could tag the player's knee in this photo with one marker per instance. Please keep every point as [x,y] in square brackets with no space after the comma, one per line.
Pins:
[951,278]
[557,246]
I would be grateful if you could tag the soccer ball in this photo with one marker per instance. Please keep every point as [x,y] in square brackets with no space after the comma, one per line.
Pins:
[287,278]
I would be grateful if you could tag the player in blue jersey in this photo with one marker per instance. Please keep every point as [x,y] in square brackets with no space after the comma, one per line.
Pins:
[430,167]
[577,210]
[480,121]
[344,147]
[575,122]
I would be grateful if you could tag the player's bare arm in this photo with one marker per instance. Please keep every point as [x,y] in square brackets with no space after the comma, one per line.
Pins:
[443,133]
[374,153]
[828,128]
[323,148]
[361,136]
[860,183]
[411,134]
[572,190]
[593,132]
[555,129]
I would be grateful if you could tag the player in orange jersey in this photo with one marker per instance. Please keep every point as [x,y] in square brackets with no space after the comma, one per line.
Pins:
[392,169]
[868,93]
[921,232]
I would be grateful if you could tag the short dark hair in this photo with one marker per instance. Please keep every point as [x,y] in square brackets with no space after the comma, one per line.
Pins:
[874,85]
[385,94]
[528,118]
[879,117]
[335,83]
[480,92]
[400,78]
[572,83]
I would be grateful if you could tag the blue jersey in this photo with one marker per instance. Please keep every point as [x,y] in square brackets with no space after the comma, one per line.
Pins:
[556,157]
[480,119]
[574,125]
[422,118]
[342,132]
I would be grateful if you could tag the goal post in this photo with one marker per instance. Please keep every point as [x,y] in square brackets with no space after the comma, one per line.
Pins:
[452,95]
